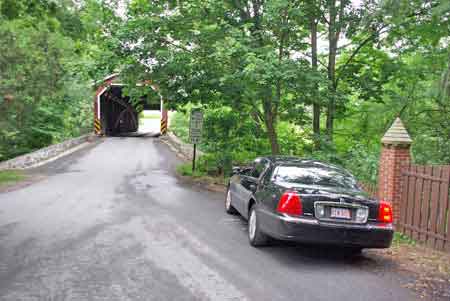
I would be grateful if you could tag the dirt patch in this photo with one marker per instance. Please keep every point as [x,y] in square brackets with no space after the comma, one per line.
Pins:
[423,270]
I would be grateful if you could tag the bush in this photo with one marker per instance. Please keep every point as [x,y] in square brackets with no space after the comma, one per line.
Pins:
[233,138]
[179,125]
[229,138]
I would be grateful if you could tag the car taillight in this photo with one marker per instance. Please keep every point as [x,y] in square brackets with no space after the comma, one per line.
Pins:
[290,203]
[385,212]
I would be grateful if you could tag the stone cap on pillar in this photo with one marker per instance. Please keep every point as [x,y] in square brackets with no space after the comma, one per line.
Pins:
[397,134]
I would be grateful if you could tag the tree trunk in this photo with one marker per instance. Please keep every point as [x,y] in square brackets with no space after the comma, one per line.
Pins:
[272,134]
[316,104]
[331,110]
[270,120]
[333,36]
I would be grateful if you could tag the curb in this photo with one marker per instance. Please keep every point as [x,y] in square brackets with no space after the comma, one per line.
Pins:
[183,150]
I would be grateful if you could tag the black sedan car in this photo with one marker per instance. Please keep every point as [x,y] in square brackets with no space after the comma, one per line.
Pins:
[294,199]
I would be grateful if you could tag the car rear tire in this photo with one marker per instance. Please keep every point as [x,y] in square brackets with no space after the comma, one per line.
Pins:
[255,236]
[228,206]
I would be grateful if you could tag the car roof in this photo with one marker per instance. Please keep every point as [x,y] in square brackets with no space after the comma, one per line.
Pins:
[303,162]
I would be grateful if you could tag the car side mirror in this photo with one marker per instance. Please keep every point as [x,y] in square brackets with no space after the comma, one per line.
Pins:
[253,187]
[236,170]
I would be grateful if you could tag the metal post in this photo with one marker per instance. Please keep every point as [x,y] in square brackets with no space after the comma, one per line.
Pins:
[193,158]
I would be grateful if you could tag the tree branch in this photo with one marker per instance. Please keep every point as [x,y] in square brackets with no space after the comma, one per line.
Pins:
[357,50]
[319,61]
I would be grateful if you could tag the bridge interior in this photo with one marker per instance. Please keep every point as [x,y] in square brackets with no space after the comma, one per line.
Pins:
[118,115]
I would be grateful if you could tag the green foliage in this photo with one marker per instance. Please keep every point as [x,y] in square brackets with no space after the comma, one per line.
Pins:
[179,125]
[247,67]
[400,238]
[247,70]
[145,115]
[185,169]
[46,92]
[229,138]
[215,54]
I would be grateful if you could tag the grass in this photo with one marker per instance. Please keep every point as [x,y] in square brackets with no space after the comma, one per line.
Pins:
[400,238]
[10,176]
[185,169]
[149,115]
[154,116]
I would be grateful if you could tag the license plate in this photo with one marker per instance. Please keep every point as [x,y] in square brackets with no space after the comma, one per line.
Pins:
[343,213]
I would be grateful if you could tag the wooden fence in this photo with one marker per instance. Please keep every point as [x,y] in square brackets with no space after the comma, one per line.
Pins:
[425,205]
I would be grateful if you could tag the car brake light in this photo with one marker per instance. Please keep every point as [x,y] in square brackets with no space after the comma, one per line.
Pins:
[385,212]
[290,203]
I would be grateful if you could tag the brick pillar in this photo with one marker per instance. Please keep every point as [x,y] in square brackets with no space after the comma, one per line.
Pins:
[395,153]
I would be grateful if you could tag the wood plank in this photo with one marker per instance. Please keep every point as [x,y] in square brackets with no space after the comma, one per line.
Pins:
[418,202]
[441,200]
[404,200]
[446,202]
[434,206]
[410,200]
[417,229]
[423,176]
[425,208]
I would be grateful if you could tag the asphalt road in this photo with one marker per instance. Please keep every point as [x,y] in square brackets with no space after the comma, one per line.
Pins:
[111,222]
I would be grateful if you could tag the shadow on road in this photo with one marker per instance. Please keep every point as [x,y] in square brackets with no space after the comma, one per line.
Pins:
[291,253]
[138,134]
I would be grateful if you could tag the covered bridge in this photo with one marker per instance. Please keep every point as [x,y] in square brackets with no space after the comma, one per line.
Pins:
[113,112]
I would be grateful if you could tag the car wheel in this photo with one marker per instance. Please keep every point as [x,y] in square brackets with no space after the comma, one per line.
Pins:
[255,236]
[228,206]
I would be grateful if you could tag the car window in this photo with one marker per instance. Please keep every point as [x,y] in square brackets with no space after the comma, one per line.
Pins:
[267,175]
[258,168]
[316,175]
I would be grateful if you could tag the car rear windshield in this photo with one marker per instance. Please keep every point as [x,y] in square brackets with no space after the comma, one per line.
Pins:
[315,175]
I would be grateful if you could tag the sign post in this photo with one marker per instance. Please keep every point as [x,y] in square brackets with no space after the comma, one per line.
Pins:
[195,131]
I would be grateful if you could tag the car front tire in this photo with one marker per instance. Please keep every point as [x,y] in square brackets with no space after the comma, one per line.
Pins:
[255,236]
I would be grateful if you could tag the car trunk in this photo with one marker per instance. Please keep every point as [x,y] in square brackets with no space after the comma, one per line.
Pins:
[344,198]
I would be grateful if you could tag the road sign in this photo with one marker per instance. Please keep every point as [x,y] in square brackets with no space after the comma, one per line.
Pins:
[195,126]
[195,131]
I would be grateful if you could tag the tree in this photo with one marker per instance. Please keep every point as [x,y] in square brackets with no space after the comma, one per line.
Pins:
[45,90]
[236,53]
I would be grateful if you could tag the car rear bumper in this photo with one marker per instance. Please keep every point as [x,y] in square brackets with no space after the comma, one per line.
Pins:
[310,230]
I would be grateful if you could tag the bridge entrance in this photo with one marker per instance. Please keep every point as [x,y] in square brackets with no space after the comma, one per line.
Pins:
[115,115]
